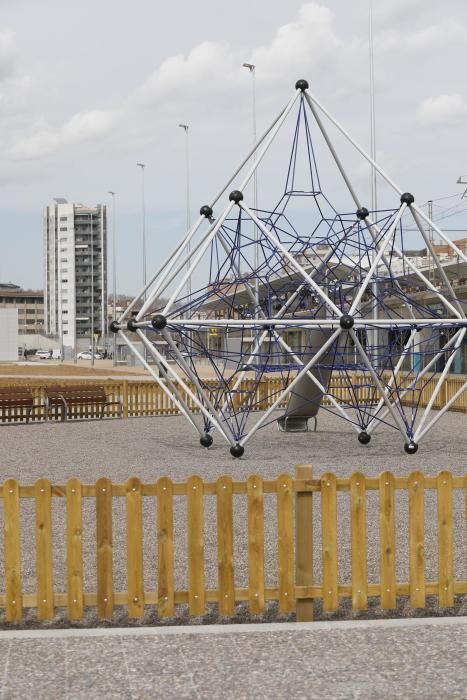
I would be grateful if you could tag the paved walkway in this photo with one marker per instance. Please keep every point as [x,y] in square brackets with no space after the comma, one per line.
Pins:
[374,660]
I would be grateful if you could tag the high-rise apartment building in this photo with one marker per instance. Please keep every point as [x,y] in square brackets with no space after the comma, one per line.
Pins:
[75,272]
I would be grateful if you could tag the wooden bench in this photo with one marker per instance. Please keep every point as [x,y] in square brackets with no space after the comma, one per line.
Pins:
[16,402]
[67,396]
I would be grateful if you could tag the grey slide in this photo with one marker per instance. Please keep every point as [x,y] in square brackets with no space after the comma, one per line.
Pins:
[305,398]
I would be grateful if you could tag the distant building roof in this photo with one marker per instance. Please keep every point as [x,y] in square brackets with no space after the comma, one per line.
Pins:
[9,285]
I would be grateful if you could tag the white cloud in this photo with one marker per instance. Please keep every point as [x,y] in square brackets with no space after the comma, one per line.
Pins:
[446,110]
[297,49]
[81,127]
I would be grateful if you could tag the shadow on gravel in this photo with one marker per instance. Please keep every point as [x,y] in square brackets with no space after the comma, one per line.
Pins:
[241,616]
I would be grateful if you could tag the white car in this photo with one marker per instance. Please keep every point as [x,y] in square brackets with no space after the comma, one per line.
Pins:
[87,355]
[44,354]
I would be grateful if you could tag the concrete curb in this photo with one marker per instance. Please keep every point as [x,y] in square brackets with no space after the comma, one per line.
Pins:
[295,627]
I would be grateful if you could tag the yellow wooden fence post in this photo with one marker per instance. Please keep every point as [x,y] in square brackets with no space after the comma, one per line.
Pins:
[105,600]
[125,398]
[12,549]
[255,544]
[44,562]
[304,543]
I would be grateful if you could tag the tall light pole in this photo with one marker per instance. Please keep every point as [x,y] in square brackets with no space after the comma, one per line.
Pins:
[143,236]
[185,127]
[374,197]
[143,229]
[252,68]
[92,292]
[114,278]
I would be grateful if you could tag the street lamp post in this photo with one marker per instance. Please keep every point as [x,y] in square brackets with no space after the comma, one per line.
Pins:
[252,68]
[143,212]
[114,279]
[92,292]
[185,127]
[375,339]
[143,237]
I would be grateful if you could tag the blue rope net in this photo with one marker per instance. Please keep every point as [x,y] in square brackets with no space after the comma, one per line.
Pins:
[233,365]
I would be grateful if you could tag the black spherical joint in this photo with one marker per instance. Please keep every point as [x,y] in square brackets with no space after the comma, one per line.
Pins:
[410,448]
[407,198]
[236,196]
[364,438]
[302,85]
[206,440]
[159,322]
[206,211]
[346,322]
[362,213]
[114,327]
[131,325]
[237,451]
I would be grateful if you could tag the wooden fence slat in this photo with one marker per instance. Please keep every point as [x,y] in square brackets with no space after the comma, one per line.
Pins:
[195,521]
[358,538]
[105,597]
[387,540]
[225,545]
[74,546]
[445,540]
[134,523]
[285,543]
[329,541]
[44,564]
[165,554]
[12,550]
[304,543]
[416,484]
[255,544]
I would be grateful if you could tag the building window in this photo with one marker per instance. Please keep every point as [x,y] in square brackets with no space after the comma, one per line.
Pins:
[63,218]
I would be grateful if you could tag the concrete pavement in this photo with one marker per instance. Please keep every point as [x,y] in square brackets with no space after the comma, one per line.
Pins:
[377,660]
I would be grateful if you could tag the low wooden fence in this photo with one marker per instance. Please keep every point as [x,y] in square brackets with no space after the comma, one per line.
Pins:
[295,499]
[146,398]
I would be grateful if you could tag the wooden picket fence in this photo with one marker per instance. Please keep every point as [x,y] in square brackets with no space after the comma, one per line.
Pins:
[146,398]
[295,499]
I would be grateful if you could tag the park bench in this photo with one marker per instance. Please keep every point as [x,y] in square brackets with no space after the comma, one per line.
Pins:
[16,402]
[65,398]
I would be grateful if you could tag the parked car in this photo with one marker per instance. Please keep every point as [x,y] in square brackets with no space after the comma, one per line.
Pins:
[87,355]
[44,354]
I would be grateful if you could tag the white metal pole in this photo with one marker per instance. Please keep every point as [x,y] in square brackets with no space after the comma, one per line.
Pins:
[289,388]
[92,292]
[142,167]
[374,202]
[440,414]
[193,263]
[424,371]
[177,399]
[378,253]
[330,304]
[268,136]
[252,68]
[171,372]
[439,383]
[143,225]
[185,127]
[114,278]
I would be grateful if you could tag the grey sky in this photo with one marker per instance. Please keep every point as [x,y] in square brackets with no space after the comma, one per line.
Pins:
[88,88]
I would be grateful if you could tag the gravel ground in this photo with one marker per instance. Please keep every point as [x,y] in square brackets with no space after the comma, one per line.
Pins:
[152,447]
